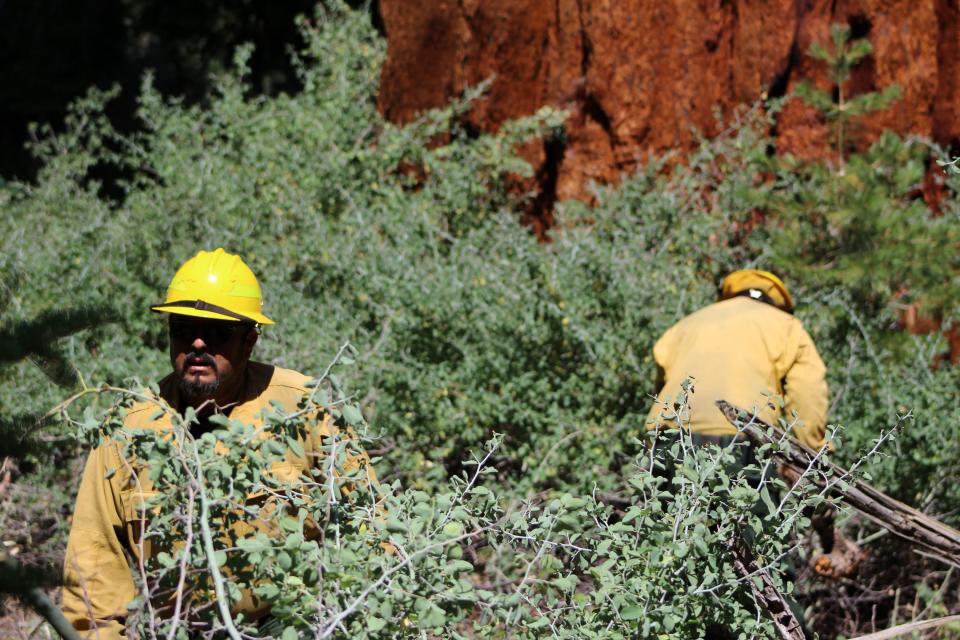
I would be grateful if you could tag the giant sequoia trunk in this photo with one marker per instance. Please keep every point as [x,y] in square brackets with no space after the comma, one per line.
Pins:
[639,75]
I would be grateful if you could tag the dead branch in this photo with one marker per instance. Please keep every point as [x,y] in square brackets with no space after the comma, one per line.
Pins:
[905,521]
[909,628]
[765,593]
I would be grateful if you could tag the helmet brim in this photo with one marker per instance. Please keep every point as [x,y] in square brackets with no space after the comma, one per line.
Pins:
[259,318]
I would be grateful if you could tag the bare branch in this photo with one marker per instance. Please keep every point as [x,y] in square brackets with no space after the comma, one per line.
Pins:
[909,628]
[901,519]
[766,594]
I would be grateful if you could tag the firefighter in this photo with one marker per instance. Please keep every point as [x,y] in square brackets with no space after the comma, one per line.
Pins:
[746,348]
[214,308]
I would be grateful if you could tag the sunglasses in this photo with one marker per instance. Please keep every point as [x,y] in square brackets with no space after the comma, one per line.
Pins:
[212,334]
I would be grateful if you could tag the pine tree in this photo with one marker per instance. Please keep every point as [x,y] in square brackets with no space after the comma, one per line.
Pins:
[840,60]
[37,338]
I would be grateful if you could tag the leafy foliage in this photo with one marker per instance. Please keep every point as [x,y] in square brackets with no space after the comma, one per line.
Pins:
[330,554]
[404,241]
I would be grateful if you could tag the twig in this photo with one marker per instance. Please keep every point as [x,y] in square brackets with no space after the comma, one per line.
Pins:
[222,603]
[469,486]
[526,576]
[909,628]
[183,565]
[333,624]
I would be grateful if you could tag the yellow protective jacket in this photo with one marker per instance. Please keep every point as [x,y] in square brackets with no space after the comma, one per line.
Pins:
[107,521]
[736,350]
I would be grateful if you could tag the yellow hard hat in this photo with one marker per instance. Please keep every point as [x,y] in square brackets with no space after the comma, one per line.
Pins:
[217,285]
[769,284]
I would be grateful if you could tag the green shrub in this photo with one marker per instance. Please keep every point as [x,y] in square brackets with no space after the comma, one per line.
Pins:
[405,241]
[383,561]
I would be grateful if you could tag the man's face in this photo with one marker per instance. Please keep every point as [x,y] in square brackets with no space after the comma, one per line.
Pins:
[209,357]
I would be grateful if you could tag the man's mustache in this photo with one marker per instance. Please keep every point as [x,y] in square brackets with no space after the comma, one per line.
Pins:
[198,358]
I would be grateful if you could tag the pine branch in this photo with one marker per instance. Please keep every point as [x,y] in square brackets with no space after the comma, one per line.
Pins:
[33,337]
[816,98]
[858,50]
[26,583]
[55,364]
[19,340]
[17,434]
[839,61]
[16,578]
[37,337]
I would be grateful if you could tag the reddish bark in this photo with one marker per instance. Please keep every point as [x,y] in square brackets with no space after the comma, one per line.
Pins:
[640,76]
[913,320]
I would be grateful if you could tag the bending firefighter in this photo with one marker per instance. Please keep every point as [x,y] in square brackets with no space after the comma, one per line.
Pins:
[746,344]
[214,306]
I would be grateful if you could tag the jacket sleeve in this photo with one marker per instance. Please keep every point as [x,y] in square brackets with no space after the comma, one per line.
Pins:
[97,580]
[663,349]
[805,390]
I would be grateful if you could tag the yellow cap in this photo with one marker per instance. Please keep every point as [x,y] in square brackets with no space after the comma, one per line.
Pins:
[769,284]
[217,285]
